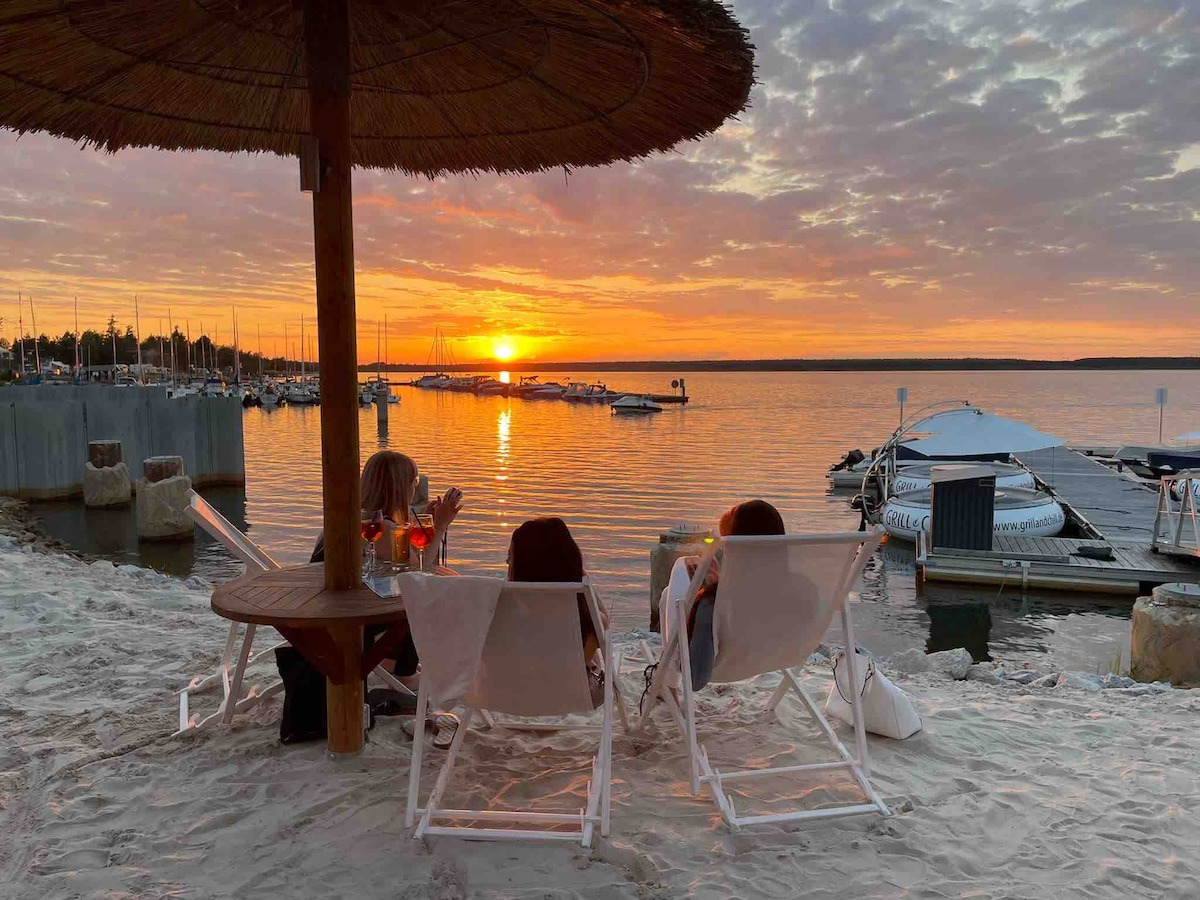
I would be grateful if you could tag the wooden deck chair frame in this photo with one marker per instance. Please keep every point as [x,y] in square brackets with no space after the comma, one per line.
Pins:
[237,655]
[680,701]
[427,820]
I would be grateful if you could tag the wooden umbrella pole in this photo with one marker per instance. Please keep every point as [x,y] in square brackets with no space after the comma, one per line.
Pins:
[327,41]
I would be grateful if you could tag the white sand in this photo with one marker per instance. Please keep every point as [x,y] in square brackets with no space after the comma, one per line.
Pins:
[1009,791]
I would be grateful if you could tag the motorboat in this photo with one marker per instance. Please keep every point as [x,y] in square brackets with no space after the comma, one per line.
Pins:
[1018,511]
[463,384]
[581,392]
[633,405]
[436,382]
[366,396]
[531,388]
[486,386]
[918,476]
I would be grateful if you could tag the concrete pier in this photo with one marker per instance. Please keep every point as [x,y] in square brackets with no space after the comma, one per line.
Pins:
[45,431]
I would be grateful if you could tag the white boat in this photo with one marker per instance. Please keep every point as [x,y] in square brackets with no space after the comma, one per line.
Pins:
[366,396]
[432,382]
[581,392]
[1017,512]
[916,476]
[635,406]
[269,395]
[300,395]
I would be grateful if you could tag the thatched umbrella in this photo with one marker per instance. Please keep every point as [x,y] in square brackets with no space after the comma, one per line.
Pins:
[423,86]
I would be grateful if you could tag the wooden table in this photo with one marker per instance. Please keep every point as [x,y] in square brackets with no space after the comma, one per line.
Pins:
[326,627]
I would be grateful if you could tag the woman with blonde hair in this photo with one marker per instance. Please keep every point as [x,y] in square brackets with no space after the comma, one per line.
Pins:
[389,484]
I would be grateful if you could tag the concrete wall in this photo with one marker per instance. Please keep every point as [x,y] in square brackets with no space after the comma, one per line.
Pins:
[45,429]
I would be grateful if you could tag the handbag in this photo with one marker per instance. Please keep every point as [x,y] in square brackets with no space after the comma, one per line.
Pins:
[886,710]
[303,698]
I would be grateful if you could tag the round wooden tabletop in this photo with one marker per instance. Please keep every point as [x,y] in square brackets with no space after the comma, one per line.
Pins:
[295,597]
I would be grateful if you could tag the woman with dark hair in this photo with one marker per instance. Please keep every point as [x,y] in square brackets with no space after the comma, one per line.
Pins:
[755,517]
[544,550]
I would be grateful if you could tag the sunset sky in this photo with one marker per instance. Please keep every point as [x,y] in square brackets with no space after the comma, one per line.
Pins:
[912,179]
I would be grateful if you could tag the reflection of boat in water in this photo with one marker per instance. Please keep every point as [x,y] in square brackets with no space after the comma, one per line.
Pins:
[1017,512]
[918,476]
[635,406]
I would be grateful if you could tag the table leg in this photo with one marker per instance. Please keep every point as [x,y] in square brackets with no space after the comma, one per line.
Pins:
[344,695]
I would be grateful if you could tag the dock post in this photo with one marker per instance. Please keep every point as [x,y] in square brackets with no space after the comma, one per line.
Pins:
[105,476]
[162,501]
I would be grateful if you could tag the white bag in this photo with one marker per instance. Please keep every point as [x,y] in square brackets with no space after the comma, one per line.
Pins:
[886,709]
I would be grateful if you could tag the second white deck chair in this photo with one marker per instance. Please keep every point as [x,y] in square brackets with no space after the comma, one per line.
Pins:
[778,596]
[231,670]
[531,665]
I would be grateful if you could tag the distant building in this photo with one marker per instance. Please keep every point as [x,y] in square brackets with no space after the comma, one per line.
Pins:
[104,374]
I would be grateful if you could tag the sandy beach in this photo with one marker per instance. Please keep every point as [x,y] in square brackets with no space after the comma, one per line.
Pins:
[1010,791]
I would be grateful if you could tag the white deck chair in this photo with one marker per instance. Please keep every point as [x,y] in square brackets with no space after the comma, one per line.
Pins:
[778,595]
[235,660]
[531,665]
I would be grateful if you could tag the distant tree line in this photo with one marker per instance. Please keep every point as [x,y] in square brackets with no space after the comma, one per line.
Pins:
[115,345]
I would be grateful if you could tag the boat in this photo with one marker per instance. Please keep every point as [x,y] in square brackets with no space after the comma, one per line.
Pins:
[366,396]
[299,394]
[269,395]
[633,405]
[582,392]
[436,382]
[530,388]
[442,358]
[1018,511]
[486,386]
[917,476]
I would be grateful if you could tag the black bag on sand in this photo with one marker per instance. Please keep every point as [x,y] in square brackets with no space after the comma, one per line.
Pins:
[304,716]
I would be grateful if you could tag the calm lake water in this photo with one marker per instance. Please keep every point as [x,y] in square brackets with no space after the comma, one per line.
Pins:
[619,482]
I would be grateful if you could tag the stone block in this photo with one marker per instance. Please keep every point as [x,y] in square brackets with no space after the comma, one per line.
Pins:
[1081,680]
[953,663]
[109,486]
[1165,645]
[909,662]
[162,510]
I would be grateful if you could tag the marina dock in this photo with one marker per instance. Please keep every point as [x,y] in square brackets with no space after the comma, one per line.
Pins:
[1112,511]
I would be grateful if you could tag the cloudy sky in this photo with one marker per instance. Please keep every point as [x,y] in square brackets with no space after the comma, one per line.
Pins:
[913,179]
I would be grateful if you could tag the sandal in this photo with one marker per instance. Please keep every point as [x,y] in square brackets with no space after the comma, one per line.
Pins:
[444,725]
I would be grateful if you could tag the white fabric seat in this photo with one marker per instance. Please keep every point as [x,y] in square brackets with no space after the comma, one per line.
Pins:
[528,661]
[778,595]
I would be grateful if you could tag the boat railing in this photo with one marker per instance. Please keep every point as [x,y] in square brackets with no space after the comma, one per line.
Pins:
[1177,518]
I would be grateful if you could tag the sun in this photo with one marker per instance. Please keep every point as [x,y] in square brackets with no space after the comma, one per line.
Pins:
[503,349]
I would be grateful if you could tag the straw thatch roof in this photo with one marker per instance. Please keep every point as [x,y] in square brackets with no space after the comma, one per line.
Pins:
[438,85]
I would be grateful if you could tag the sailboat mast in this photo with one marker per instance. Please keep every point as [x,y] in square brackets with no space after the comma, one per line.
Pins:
[21,328]
[237,353]
[76,338]
[302,360]
[137,336]
[37,351]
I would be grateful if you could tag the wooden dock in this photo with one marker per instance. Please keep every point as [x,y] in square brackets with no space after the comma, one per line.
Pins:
[1104,502]
[1052,564]
[1113,511]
